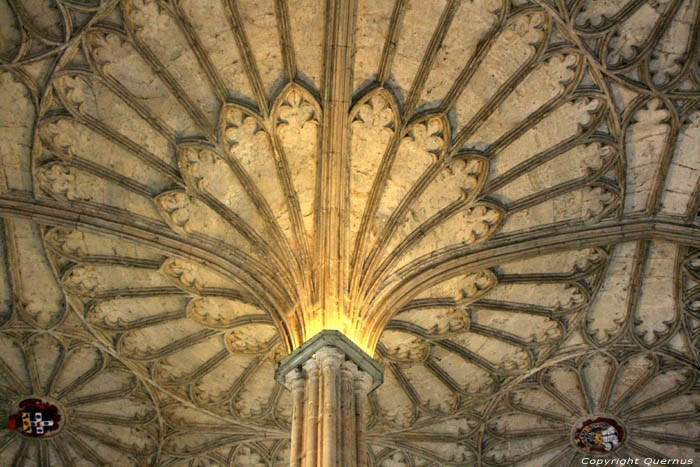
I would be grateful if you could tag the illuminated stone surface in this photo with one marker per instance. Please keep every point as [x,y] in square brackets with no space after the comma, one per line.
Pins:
[496,199]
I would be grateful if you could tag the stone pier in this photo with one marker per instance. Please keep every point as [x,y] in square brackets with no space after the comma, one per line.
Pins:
[329,378]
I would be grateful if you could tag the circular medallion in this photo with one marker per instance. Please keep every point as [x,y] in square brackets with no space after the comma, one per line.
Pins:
[36,418]
[599,435]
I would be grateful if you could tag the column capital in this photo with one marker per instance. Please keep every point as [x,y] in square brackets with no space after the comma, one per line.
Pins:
[338,344]
[363,382]
[349,367]
[311,367]
[330,357]
[294,380]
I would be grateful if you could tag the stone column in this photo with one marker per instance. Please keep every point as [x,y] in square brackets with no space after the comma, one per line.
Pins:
[328,410]
[362,384]
[330,359]
[348,438]
[329,378]
[308,424]
[295,383]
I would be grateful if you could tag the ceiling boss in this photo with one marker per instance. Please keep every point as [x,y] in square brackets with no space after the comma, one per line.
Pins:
[36,418]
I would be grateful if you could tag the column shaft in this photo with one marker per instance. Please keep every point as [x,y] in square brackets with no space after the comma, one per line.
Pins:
[330,360]
[362,386]
[349,422]
[328,411]
[309,424]
[295,383]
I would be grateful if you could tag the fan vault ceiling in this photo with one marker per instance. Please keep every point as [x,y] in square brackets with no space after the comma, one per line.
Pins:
[520,209]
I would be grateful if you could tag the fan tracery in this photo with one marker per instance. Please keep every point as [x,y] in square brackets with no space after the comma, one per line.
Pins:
[471,125]
[646,392]
[88,385]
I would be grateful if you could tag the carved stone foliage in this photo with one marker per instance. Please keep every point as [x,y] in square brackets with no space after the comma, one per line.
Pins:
[688,341]
[645,46]
[640,303]
[132,371]
[30,293]
[35,30]
[184,325]
[424,178]
[189,140]
[463,340]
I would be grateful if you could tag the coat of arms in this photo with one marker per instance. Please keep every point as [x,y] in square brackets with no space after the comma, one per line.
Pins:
[599,435]
[35,418]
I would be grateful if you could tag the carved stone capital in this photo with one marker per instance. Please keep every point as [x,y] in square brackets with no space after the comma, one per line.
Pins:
[363,382]
[294,380]
[330,358]
[328,345]
[311,368]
